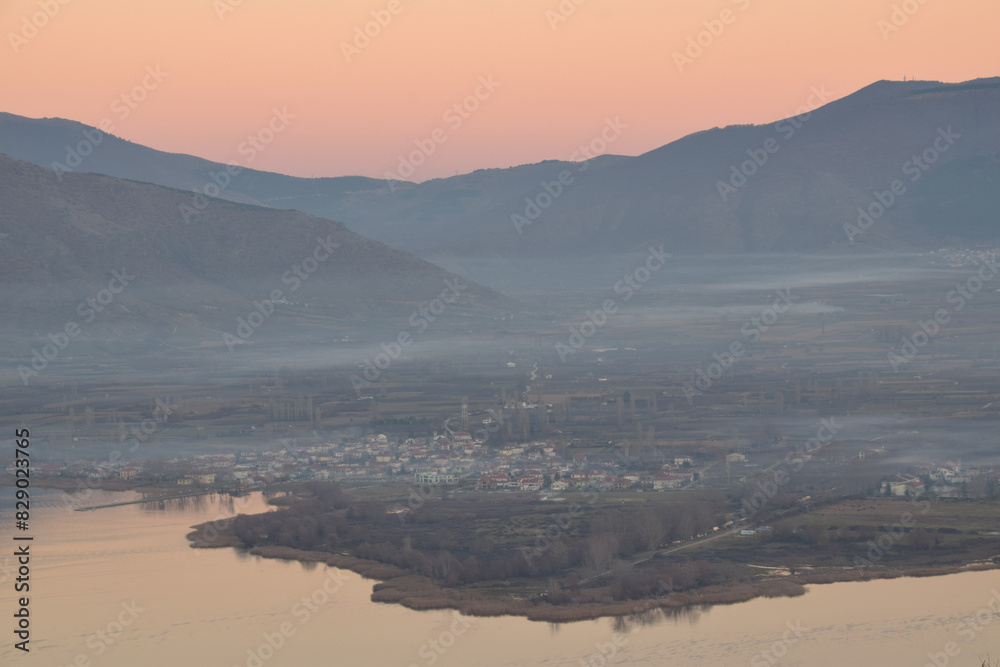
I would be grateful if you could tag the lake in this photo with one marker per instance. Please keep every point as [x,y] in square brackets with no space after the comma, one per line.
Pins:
[121,586]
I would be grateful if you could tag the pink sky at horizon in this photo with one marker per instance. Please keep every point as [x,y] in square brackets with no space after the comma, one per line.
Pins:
[226,71]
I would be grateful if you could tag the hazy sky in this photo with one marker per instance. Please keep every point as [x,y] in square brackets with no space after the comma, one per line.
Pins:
[227,64]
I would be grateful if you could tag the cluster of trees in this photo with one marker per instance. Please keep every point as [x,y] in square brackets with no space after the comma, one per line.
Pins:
[662,578]
[831,538]
[621,533]
[318,521]
[447,544]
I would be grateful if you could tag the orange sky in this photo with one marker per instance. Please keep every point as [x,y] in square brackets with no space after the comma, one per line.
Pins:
[607,59]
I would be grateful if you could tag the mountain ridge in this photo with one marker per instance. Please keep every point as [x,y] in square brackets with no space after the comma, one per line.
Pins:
[828,163]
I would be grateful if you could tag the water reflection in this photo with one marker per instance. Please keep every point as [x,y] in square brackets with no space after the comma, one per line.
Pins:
[153,502]
[209,606]
[657,615]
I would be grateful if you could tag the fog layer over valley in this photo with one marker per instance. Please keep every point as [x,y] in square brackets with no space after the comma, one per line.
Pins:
[640,401]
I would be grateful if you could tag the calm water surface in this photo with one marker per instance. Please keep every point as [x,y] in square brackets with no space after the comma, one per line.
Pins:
[120,586]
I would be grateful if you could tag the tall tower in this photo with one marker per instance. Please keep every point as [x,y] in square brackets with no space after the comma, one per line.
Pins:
[465,413]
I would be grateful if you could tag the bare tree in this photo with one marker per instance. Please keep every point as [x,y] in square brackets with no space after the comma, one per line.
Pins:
[650,529]
[601,551]
[443,564]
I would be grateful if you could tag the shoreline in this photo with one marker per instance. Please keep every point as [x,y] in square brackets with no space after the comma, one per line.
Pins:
[71,484]
[399,586]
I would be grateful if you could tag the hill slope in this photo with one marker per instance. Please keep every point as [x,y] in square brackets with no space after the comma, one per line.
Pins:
[117,259]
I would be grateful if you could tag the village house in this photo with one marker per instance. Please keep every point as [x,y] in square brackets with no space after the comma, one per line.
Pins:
[559,485]
[435,477]
[492,481]
[663,481]
[904,485]
[530,483]
[202,478]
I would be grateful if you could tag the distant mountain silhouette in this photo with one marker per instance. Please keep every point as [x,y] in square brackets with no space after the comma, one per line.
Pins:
[791,186]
